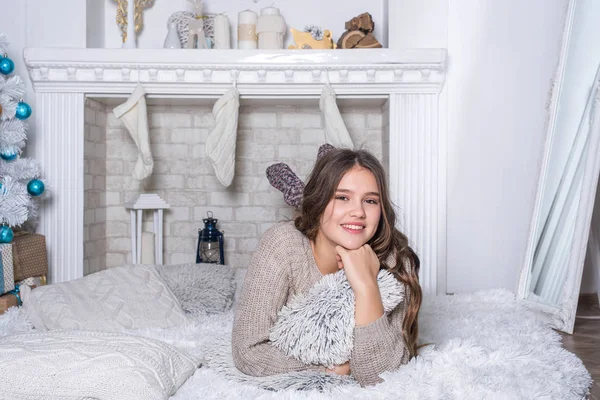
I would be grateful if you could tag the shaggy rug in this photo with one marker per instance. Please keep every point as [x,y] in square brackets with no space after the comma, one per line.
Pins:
[484,345]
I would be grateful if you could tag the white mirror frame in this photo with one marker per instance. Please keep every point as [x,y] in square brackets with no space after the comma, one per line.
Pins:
[562,317]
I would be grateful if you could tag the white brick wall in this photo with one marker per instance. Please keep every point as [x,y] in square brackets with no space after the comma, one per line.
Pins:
[383,121]
[95,227]
[184,177]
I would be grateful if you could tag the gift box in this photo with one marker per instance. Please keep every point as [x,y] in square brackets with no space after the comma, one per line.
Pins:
[12,298]
[6,301]
[7,279]
[29,255]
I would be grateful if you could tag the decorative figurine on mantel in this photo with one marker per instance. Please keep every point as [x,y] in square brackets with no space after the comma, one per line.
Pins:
[130,19]
[195,29]
[196,38]
[313,38]
[359,33]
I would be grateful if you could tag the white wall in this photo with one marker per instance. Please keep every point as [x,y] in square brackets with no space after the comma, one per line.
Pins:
[40,23]
[95,17]
[422,23]
[13,23]
[329,15]
[503,56]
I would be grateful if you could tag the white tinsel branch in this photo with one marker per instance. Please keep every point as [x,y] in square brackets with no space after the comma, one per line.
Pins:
[14,202]
[12,87]
[22,169]
[12,136]
[315,31]
[11,91]
[3,44]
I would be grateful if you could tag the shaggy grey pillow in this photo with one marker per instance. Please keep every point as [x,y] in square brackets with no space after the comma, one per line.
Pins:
[317,328]
[200,288]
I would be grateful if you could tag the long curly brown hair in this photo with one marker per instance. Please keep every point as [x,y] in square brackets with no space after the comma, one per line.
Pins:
[387,241]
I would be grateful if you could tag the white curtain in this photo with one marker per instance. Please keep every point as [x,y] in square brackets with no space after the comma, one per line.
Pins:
[558,224]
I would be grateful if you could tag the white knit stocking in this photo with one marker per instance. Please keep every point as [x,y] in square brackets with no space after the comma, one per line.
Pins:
[135,116]
[335,129]
[220,144]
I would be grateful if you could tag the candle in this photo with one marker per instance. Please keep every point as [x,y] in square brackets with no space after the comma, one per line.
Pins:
[269,11]
[247,29]
[221,29]
[270,29]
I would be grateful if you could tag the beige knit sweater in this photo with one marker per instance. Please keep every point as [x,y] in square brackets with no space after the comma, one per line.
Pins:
[282,266]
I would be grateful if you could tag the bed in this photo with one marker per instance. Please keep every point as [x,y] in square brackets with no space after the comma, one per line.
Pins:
[481,345]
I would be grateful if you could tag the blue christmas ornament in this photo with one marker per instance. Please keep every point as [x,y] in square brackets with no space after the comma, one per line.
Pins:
[8,156]
[7,66]
[35,187]
[6,234]
[23,110]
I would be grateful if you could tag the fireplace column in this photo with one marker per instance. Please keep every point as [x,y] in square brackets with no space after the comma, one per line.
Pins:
[59,148]
[417,181]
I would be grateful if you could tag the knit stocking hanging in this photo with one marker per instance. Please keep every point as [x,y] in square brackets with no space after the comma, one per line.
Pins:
[220,144]
[335,129]
[135,116]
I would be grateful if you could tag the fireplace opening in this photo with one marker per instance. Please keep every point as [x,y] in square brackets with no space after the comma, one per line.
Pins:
[269,131]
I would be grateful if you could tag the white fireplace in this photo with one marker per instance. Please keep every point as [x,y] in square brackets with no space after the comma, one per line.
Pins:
[408,81]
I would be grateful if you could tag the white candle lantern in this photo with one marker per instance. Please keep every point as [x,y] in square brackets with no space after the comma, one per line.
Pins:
[270,29]
[151,202]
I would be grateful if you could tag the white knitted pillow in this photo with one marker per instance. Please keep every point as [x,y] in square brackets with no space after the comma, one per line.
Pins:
[131,297]
[65,365]
[317,328]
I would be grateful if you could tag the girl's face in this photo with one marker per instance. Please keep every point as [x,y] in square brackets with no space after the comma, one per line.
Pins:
[351,218]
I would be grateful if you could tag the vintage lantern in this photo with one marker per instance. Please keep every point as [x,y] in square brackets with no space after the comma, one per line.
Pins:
[210,242]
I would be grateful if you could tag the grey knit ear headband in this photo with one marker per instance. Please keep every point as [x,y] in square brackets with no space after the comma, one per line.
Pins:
[282,178]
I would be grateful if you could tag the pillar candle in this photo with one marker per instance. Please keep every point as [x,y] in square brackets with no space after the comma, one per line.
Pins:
[221,29]
[247,29]
[147,256]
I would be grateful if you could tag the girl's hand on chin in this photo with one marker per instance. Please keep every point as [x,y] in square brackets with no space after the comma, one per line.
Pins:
[361,266]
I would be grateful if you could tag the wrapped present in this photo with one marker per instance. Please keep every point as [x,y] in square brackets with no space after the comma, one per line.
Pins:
[29,255]
[11,299]
[34,281]
[7,279]
[8,300]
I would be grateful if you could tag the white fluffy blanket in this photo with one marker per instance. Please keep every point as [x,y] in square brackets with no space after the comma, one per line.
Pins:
[486,345]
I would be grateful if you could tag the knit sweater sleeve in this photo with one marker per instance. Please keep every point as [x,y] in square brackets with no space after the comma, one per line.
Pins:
[379,347]
[264,293]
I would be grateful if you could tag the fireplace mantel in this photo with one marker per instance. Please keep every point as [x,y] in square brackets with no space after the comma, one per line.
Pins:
[210,72]
[410,80]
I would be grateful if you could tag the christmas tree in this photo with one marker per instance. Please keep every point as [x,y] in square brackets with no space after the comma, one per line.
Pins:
[20,185]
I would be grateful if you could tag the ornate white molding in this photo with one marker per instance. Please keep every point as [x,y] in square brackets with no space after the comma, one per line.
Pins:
[208,71]
[411,79]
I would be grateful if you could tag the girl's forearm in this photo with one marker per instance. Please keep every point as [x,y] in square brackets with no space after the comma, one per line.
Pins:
[368,306]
